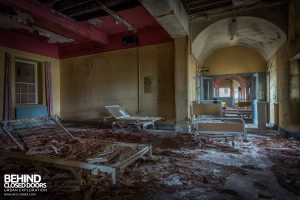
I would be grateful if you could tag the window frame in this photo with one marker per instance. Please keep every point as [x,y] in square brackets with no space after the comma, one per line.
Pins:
[35,64]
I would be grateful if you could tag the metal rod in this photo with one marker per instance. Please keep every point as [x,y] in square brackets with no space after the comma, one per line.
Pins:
[13,138]
[65,130]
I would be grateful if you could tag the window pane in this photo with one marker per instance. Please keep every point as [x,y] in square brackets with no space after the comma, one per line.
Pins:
[31,88]
[31,98]
[23,98]
[25,72]
[26,82]
[23,88]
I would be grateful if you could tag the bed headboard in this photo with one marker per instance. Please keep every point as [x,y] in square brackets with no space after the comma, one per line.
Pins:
[198,109]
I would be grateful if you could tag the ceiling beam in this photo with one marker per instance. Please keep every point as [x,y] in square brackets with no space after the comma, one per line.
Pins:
[38,10]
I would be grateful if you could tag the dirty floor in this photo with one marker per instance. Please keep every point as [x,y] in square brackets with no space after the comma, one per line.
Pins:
[266,167]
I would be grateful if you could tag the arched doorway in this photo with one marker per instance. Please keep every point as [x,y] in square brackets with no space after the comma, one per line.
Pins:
[246,44]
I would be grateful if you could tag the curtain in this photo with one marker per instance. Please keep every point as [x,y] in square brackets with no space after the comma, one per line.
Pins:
[7,101]
[48,88]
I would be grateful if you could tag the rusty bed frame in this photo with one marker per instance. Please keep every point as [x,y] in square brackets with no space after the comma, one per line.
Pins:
[24,135]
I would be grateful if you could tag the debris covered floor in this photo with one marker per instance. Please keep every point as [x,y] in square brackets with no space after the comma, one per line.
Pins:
[267,167]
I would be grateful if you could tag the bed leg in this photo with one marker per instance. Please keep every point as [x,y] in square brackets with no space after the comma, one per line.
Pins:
[87,185]
[245,137]
[201,142]
[150,151]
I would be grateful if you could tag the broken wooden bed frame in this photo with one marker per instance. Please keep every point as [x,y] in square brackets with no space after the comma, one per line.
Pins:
[214,125]
[82,160]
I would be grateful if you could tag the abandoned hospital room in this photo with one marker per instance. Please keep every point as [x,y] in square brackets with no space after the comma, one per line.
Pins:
[150,99]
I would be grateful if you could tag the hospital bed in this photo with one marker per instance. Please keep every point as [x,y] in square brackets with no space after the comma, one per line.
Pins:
[207,122]
[121,117]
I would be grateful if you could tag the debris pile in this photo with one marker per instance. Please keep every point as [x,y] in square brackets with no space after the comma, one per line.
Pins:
[179,169]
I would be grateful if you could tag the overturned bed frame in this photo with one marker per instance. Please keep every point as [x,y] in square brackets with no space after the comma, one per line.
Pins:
[214,125]
[81,161]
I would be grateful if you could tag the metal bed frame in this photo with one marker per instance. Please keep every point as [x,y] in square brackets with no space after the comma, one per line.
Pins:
[26,134]
[121,118]
[201,134]
[215,132]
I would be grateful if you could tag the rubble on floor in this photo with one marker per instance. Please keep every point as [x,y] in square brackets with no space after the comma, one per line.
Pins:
[266,167]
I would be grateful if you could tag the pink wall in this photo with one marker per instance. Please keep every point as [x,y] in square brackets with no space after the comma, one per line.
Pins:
[146,36]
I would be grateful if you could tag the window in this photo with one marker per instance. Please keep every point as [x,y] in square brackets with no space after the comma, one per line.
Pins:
[26,82]
[224,92]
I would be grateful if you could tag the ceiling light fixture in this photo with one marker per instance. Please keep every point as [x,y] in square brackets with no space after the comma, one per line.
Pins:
[129,26]
[117,22]
[52,37]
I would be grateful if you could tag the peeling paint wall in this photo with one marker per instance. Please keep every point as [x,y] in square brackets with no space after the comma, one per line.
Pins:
[285,77]
[55,73]
[278,66]
[88,83]
[192,80]
[234,60]
[284,90]
[181,80]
